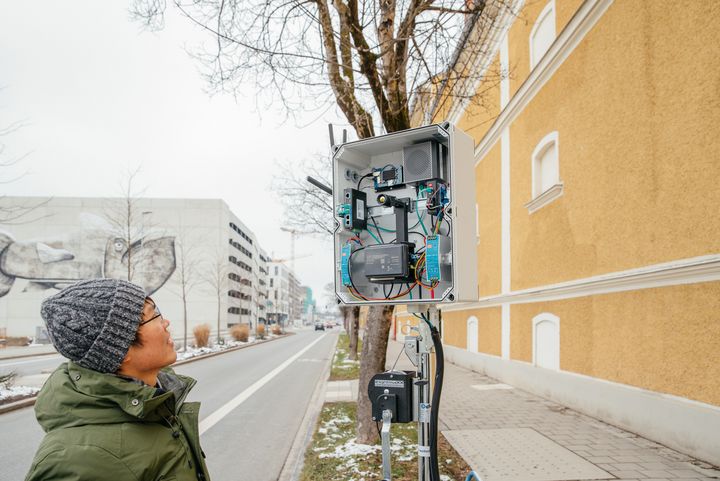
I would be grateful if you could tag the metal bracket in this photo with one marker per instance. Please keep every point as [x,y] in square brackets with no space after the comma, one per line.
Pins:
[385,436]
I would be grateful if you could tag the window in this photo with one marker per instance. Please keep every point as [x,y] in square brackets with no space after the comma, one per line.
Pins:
[546,341]
[546,184]
[472,334]
[542,34]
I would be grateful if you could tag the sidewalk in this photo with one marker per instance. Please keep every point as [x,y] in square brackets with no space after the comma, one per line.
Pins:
[506,434]
[15,352]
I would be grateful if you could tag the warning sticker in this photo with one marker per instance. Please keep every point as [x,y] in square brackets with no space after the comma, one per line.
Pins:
[424,451]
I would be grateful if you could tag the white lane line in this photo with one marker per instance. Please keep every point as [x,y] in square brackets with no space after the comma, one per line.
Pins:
[224,410]
[17,363]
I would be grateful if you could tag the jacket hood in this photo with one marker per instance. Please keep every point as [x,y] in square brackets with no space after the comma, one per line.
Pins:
[75,396]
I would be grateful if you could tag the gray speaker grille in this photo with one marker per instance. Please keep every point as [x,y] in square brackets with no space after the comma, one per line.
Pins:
[418,162]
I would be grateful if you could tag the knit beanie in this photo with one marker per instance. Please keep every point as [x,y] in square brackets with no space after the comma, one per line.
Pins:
[94,322]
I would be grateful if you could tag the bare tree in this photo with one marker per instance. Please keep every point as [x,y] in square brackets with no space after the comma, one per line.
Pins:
[13,212]
[307,209]
[368,58]
[129,223]
[215,274]
[187,270]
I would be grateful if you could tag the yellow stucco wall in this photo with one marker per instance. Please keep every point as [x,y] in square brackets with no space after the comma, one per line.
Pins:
[637,123]
[519,35]
[489,327]
[487,178]
[665,339]
[482,111]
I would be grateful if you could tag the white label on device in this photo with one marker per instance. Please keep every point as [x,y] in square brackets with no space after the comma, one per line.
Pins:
[424,415]
[424,451]
[360,209]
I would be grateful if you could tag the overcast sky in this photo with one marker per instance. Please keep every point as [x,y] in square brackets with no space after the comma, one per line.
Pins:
[99,95]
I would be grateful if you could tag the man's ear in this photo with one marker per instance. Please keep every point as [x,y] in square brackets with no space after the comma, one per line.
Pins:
[127,360]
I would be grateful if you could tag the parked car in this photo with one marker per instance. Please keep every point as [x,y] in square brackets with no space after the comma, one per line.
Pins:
[319,326]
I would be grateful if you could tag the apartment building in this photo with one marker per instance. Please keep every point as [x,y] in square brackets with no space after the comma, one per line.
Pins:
[169,246]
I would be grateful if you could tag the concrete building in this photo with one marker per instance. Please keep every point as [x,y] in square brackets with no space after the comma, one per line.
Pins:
[285,304]
[162,244]
[598,243]
[279,299]
[309,306]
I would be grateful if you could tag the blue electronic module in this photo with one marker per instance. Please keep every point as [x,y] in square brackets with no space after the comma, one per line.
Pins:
[345,264]
[432,259]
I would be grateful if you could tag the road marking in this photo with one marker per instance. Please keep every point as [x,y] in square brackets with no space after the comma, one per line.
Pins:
[17,363]
[224,410]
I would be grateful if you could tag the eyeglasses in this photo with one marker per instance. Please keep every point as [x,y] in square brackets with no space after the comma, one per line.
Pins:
[157,314]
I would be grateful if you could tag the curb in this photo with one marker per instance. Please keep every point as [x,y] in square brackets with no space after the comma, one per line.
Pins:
[23,403]
[20,356]
[296,457]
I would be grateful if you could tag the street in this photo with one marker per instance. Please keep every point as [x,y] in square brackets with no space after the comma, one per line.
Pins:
[253,401]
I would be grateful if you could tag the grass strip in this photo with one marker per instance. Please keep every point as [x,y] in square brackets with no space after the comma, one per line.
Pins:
[333,454]
[344,369]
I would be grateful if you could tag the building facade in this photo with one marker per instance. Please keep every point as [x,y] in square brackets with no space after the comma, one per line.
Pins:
[169,246]
[598,236]
[286,295]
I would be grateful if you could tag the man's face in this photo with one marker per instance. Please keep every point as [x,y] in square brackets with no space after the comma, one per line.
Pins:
[156,349]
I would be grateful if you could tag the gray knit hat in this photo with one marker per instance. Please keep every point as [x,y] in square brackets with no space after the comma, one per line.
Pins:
[94,322]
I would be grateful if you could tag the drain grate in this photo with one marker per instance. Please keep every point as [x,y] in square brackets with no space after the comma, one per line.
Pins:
[520,454]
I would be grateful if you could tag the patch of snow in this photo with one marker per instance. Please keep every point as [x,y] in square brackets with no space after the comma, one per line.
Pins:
[199,351]
[9,393]
[351,448]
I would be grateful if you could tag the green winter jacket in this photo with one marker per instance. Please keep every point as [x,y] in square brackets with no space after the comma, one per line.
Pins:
[101,426]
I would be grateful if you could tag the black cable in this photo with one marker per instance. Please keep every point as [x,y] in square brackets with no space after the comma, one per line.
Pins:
[361,179]
[378,230]
[447,221]
[350,270]
[435,403]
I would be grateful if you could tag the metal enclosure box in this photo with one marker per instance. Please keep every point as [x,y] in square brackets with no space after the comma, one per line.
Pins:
[425,157]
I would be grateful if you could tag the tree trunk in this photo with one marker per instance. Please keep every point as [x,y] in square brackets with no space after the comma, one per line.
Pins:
[374,349]
[184,325]
[353,321]
[218,319]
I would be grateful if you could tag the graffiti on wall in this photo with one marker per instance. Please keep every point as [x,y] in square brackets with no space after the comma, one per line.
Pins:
[86,253]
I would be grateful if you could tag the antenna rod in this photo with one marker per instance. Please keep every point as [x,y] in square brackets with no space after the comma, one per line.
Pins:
[319,185]
[332,135]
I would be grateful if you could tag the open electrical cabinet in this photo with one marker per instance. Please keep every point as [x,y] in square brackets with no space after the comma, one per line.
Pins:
[405,207]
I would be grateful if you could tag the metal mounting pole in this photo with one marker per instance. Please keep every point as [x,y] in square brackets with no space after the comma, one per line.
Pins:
[385,436]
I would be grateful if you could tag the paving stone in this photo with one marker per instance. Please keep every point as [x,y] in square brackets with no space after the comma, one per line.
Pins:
[613,450]
[656,473]
[627,474]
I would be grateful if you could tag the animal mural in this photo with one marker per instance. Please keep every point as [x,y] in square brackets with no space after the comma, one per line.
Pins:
[86,253]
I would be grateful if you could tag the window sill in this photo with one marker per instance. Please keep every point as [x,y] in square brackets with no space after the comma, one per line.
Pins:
[545,198]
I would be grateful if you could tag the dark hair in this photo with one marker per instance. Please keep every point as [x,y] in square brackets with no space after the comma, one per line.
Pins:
[136,340]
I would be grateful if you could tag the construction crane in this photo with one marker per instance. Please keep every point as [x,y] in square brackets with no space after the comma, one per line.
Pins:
[293,234]
[288,259]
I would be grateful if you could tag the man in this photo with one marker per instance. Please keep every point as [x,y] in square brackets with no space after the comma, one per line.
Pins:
[115,411]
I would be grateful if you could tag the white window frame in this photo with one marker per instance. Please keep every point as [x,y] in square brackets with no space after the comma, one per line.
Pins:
[548,10]
[541,199]
[552,318]
[471,320]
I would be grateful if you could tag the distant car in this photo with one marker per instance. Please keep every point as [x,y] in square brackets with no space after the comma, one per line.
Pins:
[329,325]
[319,326]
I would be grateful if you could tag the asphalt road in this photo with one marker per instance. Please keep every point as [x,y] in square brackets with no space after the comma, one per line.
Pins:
[31,368]
[253,401]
